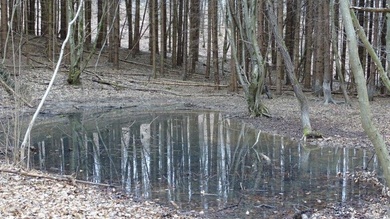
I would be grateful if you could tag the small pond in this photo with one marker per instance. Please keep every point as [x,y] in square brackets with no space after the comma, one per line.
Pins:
[199,161]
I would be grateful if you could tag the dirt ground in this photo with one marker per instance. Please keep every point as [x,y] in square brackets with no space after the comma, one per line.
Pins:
[133,87]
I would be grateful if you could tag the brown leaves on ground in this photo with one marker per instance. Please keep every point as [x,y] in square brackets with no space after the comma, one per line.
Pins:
[31,197]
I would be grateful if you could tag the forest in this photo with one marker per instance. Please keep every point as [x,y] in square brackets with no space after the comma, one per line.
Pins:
[321,48]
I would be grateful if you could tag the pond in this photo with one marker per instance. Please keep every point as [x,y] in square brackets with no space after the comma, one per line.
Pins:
[199,161]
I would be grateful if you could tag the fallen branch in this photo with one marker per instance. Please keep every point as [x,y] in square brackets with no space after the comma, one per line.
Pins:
[15,94]
[186,84]
[112,84]
[68,178]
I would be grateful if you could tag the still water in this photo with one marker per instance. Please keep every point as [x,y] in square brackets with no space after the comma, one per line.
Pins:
[199,161]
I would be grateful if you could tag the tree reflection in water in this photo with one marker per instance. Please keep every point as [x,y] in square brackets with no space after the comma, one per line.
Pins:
[200,161]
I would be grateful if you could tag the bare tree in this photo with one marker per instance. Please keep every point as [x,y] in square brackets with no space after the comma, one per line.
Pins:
[243,29]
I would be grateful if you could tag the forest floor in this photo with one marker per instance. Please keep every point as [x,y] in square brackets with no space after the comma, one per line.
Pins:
[133,87]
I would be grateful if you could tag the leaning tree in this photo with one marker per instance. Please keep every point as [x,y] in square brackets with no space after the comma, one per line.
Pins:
[365,112]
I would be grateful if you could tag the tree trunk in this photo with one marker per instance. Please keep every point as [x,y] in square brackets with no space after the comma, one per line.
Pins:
[102,17]
[328,72]
[88,24]
[153,38]
[291,28]
[208,59]
[32,16]
[365,111]
[305,119]
[194,34]
[75,46]
[163,36]
[114,41]
[335,50]
[308,44]
[175,28]
[214,33]
[3,27]
[279,59]
[129,15]
[137,30]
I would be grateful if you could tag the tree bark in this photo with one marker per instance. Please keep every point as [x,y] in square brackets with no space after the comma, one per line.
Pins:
[365,110]
[214,33]
[308,44]
[137,30]
[3,27]
[102,17]
[194,34]
[279,58]
[328,72]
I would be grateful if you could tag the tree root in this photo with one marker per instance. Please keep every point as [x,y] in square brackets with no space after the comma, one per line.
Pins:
[311,135]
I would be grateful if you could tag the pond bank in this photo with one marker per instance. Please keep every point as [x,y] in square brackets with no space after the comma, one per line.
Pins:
[339,124]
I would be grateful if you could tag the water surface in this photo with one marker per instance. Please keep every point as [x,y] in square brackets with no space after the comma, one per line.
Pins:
[200,161]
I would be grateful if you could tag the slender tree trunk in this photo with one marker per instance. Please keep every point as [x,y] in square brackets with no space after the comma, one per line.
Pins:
[32,16]
[305,119]
[335,50]
[215,42]
[365,112]
[75,45]
[279,59]
[328,71]
[163,36]
[102,17]
[194,34]
[129,15]
[308,44]
[291,28]
[114,41]
[318,56]
[175,28]
[179,53]
[209,19]
[3,27]
[137,30]
[88,24]
[153,37]
[185,39]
